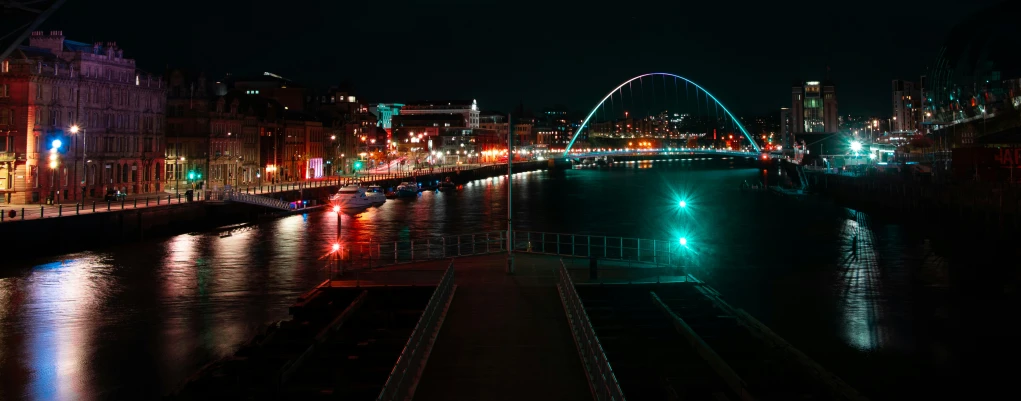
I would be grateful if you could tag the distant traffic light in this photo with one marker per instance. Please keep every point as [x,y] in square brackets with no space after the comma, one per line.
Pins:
[358,165]
[191,175]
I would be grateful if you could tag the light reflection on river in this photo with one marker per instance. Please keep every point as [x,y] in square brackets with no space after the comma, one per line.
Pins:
[132,322]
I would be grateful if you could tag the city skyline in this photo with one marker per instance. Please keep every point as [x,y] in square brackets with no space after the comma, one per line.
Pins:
[553,56]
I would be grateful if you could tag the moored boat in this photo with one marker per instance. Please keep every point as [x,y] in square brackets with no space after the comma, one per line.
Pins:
[407,190]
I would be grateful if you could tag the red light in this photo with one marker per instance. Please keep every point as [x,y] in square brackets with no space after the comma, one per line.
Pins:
[336,247]
[336,209]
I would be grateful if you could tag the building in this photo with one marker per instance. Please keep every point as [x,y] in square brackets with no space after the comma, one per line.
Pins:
[814,108]
[384,112]
[468,111]
[273,86]
[54,84]
[907,102]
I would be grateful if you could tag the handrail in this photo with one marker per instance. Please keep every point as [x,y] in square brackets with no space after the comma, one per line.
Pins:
[733,380]
[289,369]
[412,358]
[602,381]
[372,254]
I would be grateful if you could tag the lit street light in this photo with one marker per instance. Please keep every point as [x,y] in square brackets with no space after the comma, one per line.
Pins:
[684,204]
[684,241]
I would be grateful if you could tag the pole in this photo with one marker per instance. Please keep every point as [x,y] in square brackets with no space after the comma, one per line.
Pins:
[510,225]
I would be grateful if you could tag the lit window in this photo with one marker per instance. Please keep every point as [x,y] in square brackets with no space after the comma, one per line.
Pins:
[5,66]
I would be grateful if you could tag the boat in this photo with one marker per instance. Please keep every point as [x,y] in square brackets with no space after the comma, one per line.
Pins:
[447,185]
[407,190]
[352,196]
[376,194]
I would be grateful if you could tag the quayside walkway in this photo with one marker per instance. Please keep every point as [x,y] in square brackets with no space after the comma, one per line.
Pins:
[504,337]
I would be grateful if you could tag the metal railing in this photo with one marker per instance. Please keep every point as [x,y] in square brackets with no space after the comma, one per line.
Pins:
[399,386]
[253,199]
[375,254]
[637,250]
[602,381]
[372,254]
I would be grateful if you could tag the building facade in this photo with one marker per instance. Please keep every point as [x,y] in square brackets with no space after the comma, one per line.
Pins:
[468,111]
[907,101]
[814,108]
[101,116]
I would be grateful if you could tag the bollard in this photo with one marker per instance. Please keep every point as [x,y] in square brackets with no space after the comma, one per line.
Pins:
[23,213]
[41,211]
[60,210]
[108,206]
[136,204]
[147,201]
[93,206]
[77,208]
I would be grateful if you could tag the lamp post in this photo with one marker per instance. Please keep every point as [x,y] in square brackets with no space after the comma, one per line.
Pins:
[177,173]
[74,131]
[55,146]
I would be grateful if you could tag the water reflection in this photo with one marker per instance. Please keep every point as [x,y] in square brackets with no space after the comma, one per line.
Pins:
[132,322]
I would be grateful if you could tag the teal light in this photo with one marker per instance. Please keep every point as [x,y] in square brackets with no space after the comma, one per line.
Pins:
[684,241]
[683,204]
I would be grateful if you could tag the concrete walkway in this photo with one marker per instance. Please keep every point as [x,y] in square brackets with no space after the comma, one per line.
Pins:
[504,337]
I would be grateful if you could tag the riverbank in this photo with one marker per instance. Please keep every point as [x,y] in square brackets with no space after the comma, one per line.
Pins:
[55,232]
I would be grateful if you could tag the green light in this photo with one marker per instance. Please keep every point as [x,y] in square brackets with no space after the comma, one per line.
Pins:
[191,175]
[358,165]
[684,241]
[684,204]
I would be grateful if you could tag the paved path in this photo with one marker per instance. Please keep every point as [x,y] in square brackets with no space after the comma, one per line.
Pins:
[504,337]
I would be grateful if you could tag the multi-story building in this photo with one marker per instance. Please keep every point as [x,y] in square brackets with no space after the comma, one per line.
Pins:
[814,108]
[102,116]
[907,102]
[468,111]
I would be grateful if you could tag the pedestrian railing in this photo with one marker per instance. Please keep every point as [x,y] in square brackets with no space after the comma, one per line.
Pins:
[639,251]
[602,381]
[235,196]
[636,250]
[401,383]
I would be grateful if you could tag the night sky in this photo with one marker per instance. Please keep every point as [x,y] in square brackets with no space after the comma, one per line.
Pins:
[538,53]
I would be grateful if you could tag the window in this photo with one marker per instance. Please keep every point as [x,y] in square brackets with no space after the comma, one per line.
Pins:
[38,91]
[6,117]
[5,66]
[3,88]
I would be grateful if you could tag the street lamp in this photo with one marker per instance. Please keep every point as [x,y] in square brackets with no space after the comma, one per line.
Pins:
[74,131]
[177,172]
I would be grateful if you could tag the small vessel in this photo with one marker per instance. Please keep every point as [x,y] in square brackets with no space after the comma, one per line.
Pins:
[447,185]
[407,190]
[352,196]
[375,194]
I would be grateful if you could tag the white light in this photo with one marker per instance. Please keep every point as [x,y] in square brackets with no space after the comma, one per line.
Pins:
[684,241]
[56,143]
[684,204]
[855,146]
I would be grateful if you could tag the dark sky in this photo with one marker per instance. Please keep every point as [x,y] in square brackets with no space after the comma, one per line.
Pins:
[537,52]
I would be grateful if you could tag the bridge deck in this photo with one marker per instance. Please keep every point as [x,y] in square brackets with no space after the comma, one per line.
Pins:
[504,337]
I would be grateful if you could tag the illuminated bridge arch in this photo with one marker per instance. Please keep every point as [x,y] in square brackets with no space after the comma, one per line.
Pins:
[737,123]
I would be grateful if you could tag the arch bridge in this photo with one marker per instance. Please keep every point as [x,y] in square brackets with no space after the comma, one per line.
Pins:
[706,95]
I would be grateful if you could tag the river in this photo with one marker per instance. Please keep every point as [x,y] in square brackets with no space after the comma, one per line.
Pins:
[906,312]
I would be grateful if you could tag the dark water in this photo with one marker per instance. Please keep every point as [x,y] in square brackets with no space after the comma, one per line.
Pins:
[910,313]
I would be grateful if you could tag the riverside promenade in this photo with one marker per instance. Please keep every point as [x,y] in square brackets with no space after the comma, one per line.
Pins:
[288,190]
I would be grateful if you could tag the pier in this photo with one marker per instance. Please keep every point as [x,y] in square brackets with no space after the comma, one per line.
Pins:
[556,329]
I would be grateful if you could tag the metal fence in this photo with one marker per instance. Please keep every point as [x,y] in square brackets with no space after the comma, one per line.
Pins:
[601,379]
[400,384]
[362,255]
